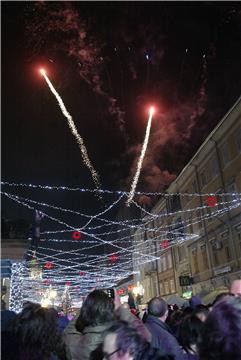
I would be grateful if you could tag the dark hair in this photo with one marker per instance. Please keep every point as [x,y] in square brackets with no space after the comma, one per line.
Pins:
[201,309]
[157,307]
[174,321]
[98,308]
[221,296]
[189,332]
[221,333]
[37,331]
[129,341]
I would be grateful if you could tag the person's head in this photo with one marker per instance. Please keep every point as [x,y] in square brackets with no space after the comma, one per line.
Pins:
[236,287]
[98,308]
[122,342]
[221,333]
[158,307]
[37,330]
[194,302]
[189,332]
[175,319]
[201,312]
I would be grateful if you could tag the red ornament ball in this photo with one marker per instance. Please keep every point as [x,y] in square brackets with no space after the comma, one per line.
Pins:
[76,235]
[113,258]
[164,244]
[48,265]
[211,201]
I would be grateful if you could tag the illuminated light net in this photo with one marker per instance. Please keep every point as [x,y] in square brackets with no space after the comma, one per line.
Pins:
[108,247]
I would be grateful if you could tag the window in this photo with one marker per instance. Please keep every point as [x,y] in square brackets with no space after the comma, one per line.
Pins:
[238,139]
[174,202]
[220,199]
[204,255]
[195,261]
[203,177]
[199,220]
[189,224]
[172,286]
[215,251]
[214,166]
[161,288]
[227,252]
[215,256]
[164,263]
[194,186]
[181,252]
[233,189]
[209,214]
[225,154]
[166,285]
[169,260]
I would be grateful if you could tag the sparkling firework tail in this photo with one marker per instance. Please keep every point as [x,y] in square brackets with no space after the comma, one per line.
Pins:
[140,161]
[74,131]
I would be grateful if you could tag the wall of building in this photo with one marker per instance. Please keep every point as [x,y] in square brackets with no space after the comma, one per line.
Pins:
[211,252]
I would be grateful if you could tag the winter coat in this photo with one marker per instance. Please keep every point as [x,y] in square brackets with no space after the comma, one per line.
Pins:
[163,338]
[81,346]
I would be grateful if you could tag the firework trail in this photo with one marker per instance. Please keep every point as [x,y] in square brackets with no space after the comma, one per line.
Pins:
[74,131]
[140,161]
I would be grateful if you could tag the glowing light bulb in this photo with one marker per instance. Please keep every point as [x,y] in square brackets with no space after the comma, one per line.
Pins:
[45,303]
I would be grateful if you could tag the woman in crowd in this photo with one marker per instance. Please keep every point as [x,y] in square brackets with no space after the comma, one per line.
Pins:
[201,312]
[189,334]
[84,335]
[221,333]
[36,334]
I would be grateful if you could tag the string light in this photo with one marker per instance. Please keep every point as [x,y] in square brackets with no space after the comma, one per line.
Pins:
[127,248]
[84,190]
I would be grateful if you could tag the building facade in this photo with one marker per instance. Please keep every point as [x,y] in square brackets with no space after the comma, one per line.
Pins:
[210,256]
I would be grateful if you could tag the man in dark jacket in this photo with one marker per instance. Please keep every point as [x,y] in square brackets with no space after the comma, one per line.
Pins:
[162,336]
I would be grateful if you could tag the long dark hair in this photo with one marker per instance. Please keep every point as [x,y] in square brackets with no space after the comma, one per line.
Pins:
[37,331]
[189,332]
[97,309]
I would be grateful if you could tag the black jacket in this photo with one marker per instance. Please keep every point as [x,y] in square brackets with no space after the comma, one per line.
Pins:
[163,338]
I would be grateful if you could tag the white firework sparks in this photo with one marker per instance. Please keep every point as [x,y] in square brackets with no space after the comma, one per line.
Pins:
[140,161]
[74,131]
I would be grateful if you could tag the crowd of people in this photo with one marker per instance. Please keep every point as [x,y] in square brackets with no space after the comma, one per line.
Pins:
[105,329]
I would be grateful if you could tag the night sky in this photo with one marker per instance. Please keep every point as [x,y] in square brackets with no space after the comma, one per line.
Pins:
[109,61]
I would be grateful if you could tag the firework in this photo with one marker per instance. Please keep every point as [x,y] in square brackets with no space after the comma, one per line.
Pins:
[140,161]
[74,131]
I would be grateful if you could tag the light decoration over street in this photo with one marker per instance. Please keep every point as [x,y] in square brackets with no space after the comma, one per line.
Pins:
[78,264]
